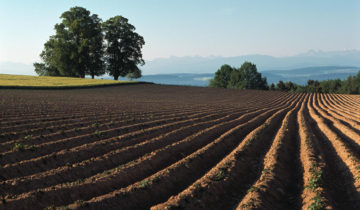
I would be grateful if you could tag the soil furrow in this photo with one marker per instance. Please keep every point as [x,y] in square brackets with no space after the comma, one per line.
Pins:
[109,119]
[349,101]
[71,154]
[344,107]
[137,168]
[341,127]
[344,118]
[345,111]
[280,184]
[338,177]
[158,146]
[49,148]
[314,196]
[244,161]
[88,131]
[113,158]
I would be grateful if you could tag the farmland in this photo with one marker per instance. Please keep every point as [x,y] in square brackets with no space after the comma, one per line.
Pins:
[171,147]
[18,81]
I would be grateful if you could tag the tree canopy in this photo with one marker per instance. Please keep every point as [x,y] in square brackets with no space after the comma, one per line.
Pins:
[246,77]
[222,76]
[123,47]
[77,48]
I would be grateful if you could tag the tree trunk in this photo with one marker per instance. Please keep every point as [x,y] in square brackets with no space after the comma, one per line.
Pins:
[92,76]
[116,77]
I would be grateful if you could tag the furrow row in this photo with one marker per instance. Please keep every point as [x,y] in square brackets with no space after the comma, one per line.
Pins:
[186,141]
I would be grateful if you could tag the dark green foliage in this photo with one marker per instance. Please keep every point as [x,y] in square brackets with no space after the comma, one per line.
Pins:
[272,87]
[287,86]
[281,86]
[222,77]
[251,79]
[351,85]
[43,69]
[290,86]
[316,179]
[246,77]
[313,86]
[318,203]
[237,81]
[123,48]
[331,86]
[77,48]
[136,73]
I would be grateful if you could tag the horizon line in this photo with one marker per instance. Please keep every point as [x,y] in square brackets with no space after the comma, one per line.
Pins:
[222,56]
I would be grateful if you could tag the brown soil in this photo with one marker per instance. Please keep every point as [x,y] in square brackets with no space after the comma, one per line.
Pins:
[163,147]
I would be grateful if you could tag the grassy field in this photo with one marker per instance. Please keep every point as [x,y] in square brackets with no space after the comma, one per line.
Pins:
[37,81]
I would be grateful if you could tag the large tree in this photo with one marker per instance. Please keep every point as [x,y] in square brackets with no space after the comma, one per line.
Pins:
[96,49]
[123,48]
[76,49]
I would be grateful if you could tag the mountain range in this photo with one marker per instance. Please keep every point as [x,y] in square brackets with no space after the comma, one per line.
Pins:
[197,70]
[197,64]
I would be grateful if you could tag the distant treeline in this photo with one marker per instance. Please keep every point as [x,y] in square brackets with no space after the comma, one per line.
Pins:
[85,45]
[247,77]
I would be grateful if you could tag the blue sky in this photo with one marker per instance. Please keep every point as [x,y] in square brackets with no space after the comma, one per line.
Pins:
[189,27]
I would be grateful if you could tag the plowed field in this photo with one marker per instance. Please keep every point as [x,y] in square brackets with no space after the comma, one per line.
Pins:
[171,147]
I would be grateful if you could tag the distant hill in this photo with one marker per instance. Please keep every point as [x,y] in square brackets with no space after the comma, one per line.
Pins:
[299,76]
[200,65]
[16,68]
[302,75]
[174,79]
